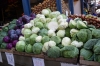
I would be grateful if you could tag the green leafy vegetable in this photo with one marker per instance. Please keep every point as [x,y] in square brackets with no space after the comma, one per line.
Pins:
[53,52]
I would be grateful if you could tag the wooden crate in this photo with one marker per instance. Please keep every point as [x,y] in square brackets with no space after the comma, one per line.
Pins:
[90,63]
[7,50]
[61,59]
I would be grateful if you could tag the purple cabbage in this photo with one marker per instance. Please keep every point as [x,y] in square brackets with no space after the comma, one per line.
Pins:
[6,39]
[68,20]
[18,32]
[14,36]
[9,46]
[32,15]
[14,43]
[26,19]
[19,23]
[12,31]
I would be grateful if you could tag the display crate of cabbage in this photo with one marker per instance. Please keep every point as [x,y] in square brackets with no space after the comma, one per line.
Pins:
[54,35]
[11,31]
[90,52]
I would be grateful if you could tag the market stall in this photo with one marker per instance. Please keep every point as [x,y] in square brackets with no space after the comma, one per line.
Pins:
[48,37]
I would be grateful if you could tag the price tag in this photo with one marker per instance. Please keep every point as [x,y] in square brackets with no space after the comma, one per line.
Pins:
[10,58]
[66,64]
[38,62]
[0,57]
[66,13]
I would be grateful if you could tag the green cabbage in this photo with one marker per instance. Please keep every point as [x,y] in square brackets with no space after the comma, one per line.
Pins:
[96,48]
[28,48]
[39,24]
[45,39]
[90,44]
[37,48]
[69,51]
[20,46]
[56,39]
[53,52]
[32,38]
[43,32]
[86,54]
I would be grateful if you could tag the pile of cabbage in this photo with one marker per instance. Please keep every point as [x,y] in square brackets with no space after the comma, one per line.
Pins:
[53,34]
[10,33]
[56,35]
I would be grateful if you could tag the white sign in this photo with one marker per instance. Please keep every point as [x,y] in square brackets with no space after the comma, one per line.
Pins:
[66,64]
[38,62]
[10,58]
[0,57]
[67,13]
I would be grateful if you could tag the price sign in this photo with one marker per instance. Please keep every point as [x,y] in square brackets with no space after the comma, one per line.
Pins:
[38,62]
[10,58]
[0,57]
[66,13]
[66,64]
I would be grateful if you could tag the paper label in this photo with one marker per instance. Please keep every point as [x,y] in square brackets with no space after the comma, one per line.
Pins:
[66,13]
[1,57]
[66,64]
[10,58]
[38,62]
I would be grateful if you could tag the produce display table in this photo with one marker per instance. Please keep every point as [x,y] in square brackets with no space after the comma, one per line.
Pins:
[24,59]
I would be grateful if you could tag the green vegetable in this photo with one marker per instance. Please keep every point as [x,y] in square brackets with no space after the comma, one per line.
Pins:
[69,51]
[60,46]
[56,39]
[53,52]
[5,29]
[61,33]
[37,48]
[97,58]
[96,33]
[1,39]
[3,46]
[3,33]
[73,31]
[96,48]
[67,32]
[32,38]
[77,19]
[28,48]
[90,44]
[39,24]
[81,25]
[27,33]
[27,40]
[20,46]
[72,24]
[43,32]
[91,26]
[87,54]
[11,26]
[80,36]
[45,39]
